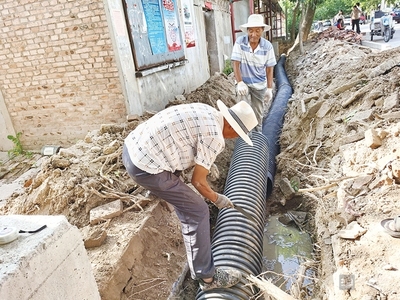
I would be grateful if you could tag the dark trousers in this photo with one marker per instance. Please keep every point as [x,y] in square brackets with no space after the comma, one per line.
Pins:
[191,209]
[356,23]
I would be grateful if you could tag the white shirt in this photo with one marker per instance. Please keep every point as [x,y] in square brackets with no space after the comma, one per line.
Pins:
[177,138]
[253,64]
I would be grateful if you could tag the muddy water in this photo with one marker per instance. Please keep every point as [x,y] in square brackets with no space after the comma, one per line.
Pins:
[286,247]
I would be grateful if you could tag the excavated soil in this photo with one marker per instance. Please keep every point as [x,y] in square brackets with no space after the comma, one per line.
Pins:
[339,153]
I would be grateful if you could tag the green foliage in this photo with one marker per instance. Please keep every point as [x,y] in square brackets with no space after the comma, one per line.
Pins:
[288,9]
[329,8]
[228,67]
[295,183]
[18,149]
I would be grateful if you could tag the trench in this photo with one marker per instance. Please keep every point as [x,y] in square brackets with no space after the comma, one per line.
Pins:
[237,241]
[256,246]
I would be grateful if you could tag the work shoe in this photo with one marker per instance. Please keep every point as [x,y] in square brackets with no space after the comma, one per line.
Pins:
[223,278]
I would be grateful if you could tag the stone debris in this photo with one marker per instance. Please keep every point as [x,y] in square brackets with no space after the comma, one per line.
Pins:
[96,239]
[106,211]
[286,188]
[346,35]
[349,170]
[352,231]
[372,139]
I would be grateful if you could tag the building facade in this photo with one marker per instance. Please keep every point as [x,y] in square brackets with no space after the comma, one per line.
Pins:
[68,66]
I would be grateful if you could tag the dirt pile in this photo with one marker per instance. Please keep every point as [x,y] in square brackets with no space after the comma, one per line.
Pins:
[332,32]
[143,252]
[340,140]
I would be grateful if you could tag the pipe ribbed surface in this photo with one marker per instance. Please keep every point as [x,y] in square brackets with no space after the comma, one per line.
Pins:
[238,242]
[272,124]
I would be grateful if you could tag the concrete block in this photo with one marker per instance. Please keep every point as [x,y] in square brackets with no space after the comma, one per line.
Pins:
[324,109]
[96,239]
[286,188]
[365,115]
[372,139]
[352,138]
[106,211]
[391,102]
[49,264]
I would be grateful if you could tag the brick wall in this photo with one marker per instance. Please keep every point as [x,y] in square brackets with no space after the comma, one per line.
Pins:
[58,73]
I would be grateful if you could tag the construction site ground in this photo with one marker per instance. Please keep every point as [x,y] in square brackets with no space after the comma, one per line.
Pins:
[339,159]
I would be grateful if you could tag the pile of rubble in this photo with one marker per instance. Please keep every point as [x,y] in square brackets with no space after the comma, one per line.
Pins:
[337,34]
[339,150]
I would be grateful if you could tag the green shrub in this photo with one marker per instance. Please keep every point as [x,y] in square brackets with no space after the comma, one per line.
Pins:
[228,69]
[18,149]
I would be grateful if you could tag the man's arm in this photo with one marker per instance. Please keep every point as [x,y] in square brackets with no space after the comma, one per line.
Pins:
[236,70]
[199,181]
[270,77]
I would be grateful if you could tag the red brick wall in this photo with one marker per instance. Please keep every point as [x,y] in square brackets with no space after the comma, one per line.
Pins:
[58,73]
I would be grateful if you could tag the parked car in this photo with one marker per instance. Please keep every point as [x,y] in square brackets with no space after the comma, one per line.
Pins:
[396,16]
[347,20]
[327,23]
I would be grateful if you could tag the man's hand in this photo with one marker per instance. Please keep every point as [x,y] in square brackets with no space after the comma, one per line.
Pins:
[223,202]
[242,88]
[268,95]
[213,175]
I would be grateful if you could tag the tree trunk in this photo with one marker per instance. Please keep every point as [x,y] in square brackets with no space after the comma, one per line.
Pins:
[301,28]
[308,18]
[293,27]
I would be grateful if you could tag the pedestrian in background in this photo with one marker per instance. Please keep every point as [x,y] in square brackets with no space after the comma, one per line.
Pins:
[355,17]
[173,140]
[338,16]
[253,60]
[339,20]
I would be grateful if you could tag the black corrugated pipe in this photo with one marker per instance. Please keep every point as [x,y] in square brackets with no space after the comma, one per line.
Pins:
[272,124]
[238,242]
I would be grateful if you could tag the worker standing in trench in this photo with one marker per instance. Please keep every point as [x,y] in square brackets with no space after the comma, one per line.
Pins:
[253,60]
[173,140]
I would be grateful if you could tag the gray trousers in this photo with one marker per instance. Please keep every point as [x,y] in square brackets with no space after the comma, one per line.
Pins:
[256,99]
[191,209]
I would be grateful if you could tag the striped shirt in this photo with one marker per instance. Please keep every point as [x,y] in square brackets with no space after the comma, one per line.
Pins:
[177,138]
[253,64]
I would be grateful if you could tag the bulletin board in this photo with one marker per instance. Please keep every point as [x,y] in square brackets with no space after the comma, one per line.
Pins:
[154,30]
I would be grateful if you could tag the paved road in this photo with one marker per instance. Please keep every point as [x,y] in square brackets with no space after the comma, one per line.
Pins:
[378,42]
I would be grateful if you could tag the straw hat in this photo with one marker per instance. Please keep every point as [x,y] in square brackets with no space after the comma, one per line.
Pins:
[255,21]
[241,117]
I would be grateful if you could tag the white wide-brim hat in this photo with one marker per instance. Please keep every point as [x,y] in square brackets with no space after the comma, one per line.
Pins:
[241,117]
[255,21]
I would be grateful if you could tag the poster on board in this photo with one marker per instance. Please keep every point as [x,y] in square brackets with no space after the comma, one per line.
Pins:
[171,25]
[188,24]
[156,34]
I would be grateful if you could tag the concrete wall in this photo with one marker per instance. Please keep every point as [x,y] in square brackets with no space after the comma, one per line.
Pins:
[219,35]
[6,127]
[50,264]
[224,32]
[58,74]
[241,13]
[67,67]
